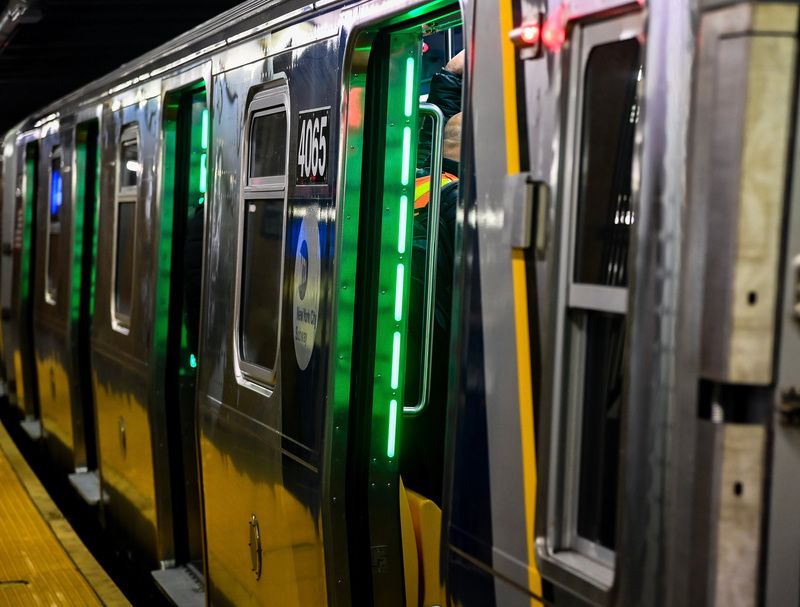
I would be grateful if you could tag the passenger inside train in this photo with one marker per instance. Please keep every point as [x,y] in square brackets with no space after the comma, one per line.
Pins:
[418,465]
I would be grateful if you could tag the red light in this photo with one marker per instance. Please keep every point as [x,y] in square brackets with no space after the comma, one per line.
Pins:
[553,35]
[530,33]
[425,47]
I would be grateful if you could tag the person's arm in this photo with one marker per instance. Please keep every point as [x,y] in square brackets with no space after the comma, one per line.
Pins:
[446,94]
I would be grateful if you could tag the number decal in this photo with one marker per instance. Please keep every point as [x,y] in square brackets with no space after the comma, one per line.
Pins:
[312,147]
[301,150]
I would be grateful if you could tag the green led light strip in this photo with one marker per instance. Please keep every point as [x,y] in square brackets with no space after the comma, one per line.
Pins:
[398,297]
[410,73]
[398,185]
[404,176]
[203,172]
[401,232]
[204,156]
[204,135]
[392,427]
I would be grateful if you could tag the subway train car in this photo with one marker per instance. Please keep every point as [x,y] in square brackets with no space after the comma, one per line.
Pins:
[289,367]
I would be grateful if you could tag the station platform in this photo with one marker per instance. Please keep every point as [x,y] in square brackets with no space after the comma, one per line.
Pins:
[42,560]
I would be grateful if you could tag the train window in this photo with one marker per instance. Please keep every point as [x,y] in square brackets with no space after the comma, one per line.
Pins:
[129,164]
[53,227]
[602,216]
[268,145]
[129,172]
[605,214]
[262,236]
[603,227]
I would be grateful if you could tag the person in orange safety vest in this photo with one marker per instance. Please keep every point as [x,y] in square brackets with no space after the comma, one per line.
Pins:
[450,153]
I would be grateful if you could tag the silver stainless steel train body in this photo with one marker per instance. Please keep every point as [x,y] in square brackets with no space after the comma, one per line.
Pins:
[621,411]
[685,286]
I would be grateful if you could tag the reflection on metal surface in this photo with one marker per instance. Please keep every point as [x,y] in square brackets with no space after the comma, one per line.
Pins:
[255,547]
[292,561]
[123,445]
[54,396]
[126,459]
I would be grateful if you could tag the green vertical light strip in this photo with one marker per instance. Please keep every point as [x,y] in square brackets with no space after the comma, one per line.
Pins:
[404,176]
[392,428]
[204,135]
[401,232]
[96,220]
[31,158]
[204,132]
[398,295]
[409,104]
[401,124]
[79,216]
[395,361]
[203,172]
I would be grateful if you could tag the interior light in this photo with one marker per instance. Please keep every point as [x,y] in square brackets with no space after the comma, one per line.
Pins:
[409,105]
[401,232]
[396,360]
[406,154]
[203,172]
[398,293]
[392,428]
[132,165]
[204,135]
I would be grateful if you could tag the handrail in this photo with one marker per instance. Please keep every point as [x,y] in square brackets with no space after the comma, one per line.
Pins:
[433,112]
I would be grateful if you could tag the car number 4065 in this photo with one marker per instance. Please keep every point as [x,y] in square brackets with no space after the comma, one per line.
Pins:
[312,147]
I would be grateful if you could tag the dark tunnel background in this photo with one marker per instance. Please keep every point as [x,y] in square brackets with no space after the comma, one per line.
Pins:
[49,48]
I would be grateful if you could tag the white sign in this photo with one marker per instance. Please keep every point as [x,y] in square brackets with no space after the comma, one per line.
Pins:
[306,288]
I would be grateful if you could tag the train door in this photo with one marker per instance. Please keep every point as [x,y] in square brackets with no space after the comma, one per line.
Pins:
[586,372]
[23,277]
[186,131]
[49,300]
[131,444]
[394,288]
[9,185]
[86,182]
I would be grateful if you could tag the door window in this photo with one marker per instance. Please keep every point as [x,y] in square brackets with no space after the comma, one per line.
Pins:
[129,174]
[53,227]
[599,214]
[262,236]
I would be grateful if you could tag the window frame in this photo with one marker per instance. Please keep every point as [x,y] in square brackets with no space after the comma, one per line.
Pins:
[50,283]
[584,558]
[269,101]
[124,195]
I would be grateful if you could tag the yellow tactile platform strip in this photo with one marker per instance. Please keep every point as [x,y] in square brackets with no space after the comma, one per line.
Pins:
[42,560]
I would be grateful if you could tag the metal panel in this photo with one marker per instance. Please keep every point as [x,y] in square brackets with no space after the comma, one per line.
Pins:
[249,443]
[740,515]
[491,220]
[748,120]
[782,534]
[721,154]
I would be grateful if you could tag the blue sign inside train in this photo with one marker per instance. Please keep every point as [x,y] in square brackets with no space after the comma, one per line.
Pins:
[55,193]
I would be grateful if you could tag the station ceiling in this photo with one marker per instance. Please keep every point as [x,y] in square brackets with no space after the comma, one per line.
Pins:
[55,46]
